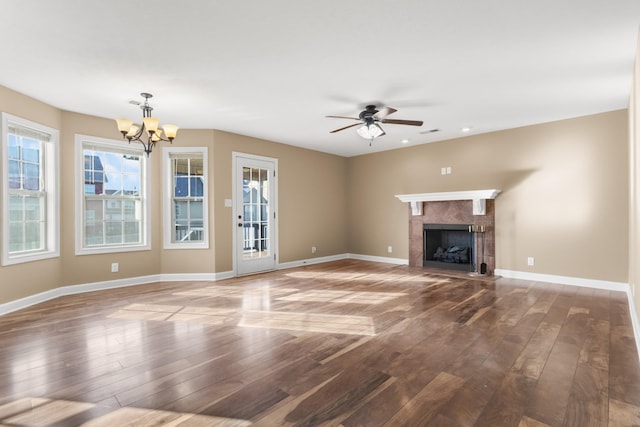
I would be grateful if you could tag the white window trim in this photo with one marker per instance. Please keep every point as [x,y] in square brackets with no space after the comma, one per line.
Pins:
[167,205]
[52,185]
[79,196]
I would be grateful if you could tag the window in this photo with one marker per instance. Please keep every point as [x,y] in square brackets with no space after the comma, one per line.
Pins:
[111,203]
[30,203]
[185,205]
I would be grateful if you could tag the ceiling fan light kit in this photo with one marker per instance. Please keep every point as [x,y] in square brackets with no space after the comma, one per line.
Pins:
[370,118]
[370,131]
[154,133]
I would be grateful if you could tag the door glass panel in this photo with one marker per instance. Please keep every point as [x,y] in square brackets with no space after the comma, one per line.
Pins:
[255,200]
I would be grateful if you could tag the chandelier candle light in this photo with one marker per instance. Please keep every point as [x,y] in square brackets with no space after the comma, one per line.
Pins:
[133,132]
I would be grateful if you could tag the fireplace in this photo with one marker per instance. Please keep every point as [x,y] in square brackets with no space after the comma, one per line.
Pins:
[458,209]
[448,246]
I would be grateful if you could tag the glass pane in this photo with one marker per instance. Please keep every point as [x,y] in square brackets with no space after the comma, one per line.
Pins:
[93,217]
[113,210]
[197,174]
[196,212]
[256,215]
[131,164]
[181,188]
[113,232]
[181,167]
[196,187]
[179,233]
[112,162]
[16,208]
[94,177]
[14,174]
[93,211]
[131,184]
[93,233]
[33,235]
[16,237]
[33,208]
[30,150]
[132,232]
[31,176]
[14,149]
[130,211]
[88,159]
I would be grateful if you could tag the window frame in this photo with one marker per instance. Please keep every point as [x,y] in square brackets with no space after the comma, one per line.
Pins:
[51,158]
[145,195]
[168,226]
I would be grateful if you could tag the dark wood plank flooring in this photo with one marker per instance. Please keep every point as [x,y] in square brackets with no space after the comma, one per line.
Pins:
[348,343]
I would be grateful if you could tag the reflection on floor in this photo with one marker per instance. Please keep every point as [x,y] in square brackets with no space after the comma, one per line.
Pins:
[292,321]
[309,322]
[347,297]
[235,292]
[36,412]
[305,322]
[176,313]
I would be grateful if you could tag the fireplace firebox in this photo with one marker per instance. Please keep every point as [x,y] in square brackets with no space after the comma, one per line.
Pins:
[449,246]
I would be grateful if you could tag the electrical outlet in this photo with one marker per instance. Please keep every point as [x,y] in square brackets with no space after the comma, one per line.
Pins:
[389,249]
[531,261]
[448,170]
[114,267]
[314,249]
[443,171]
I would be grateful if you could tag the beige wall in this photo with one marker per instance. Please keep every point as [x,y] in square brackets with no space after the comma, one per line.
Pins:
[20,280]
[97,268]
[311,199]
[564,198]
[174,261]
[312,206]
[562,183]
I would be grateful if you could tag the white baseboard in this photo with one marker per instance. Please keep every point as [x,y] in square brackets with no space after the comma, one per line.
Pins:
[74,289]
[388,260]
[193,277]
[310,261]
[564,280]
[634,320]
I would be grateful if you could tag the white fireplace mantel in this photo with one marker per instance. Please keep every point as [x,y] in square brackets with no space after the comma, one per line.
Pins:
[478,197]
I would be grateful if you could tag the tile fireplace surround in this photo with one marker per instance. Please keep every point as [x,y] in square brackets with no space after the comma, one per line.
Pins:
[452,208]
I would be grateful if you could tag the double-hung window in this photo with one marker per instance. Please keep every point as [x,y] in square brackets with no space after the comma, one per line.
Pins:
[185,204]
[111,196]
[30,200]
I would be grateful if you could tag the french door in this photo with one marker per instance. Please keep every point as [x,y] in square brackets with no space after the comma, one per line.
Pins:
[254,202]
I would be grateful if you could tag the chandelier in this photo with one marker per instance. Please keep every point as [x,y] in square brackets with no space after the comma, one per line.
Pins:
[154,133]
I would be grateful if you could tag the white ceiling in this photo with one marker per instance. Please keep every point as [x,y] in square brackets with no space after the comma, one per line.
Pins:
[274,69]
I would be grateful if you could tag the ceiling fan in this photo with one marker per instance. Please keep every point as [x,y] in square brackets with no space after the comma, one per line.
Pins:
[369,119]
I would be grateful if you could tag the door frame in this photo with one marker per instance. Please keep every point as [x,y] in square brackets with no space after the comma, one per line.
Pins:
[237,207]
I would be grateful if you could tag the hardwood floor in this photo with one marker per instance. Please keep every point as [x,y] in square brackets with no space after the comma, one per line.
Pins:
[349,343]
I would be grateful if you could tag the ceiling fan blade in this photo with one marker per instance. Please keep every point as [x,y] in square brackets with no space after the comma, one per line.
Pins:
[384,112]
[342,117]
[346,127]
[402,122]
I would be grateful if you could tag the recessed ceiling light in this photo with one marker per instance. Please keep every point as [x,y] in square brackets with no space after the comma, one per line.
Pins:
[465,129]
[405,141]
